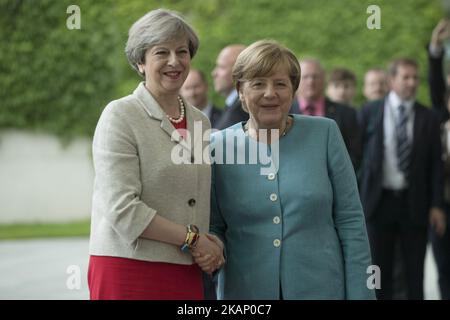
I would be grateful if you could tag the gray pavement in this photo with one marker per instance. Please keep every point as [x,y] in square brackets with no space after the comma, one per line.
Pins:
[38,269]
[56,269]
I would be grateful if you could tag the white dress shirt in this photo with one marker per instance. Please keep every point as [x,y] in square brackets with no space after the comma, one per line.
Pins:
[232,97]
[393,178]
[435,52]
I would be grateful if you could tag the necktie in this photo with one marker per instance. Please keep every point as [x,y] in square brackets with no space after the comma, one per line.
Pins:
[310,110]
[403,145]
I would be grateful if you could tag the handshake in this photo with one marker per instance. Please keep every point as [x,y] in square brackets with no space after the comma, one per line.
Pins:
[208,253]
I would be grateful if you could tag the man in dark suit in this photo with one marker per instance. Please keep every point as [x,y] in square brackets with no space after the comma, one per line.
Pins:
[223,84]
[311,101]
[375,87]
[195,91]
[401,185]
[440,102]
[438,85]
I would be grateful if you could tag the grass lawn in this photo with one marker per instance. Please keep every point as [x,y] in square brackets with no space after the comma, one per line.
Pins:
[44,230]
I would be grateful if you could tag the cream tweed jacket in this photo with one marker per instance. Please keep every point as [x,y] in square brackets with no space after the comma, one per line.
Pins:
[136,153]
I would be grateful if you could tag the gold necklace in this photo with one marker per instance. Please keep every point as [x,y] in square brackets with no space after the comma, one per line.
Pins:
[181,118]
[246,127]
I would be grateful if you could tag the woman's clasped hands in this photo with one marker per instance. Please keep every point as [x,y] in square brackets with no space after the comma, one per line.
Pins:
[208,253]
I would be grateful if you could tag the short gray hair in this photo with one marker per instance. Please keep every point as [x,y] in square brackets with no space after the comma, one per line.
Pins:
[156,27]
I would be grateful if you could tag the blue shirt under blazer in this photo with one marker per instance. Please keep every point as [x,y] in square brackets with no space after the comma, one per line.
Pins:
[302,229]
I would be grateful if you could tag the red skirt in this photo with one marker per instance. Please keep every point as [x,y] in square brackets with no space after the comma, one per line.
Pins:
[114,278]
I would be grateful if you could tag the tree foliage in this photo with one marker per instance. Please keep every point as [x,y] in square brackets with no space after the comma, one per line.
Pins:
[52,78]
[59,80]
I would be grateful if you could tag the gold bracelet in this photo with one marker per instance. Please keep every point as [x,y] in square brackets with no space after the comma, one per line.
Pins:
[192,236]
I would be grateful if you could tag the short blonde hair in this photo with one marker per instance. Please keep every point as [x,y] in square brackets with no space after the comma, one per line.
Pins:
[261,58]
[156,27]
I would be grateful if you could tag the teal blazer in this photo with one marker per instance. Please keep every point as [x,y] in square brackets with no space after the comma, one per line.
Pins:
[299,229]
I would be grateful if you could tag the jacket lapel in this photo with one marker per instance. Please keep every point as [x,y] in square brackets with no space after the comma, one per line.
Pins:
[330,110]
[196,131]
[417,129]
[379,125]
[376,127]
[153,109]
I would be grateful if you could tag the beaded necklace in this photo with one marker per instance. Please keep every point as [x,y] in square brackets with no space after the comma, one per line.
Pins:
[180,119]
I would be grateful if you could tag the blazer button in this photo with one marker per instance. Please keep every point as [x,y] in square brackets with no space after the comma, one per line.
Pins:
[276,243]
[271,176]
[276,220]
[191,202]
[273,197]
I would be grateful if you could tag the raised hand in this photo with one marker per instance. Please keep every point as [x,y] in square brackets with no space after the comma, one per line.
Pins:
[438,221]
[440,33]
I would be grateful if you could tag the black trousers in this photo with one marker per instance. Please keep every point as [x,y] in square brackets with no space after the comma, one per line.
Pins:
[390,223]
[399,291]
[441,252]
[209,287]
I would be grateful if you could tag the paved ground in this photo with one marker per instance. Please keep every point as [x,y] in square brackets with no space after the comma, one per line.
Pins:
[51,269]
[37,269]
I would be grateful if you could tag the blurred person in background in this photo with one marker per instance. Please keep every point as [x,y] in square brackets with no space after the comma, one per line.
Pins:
[223,84]
[401,178]
[375,84]
[341,86]
[195,91]
[376,88]
[440,97]
[311,101]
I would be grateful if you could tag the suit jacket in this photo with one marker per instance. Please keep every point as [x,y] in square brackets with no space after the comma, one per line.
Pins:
[232,115]
[301,226]
[216,114]
[347,121]
[426,169]
[135,150]
[437,86]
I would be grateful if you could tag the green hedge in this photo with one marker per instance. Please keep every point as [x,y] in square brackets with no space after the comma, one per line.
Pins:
[44,230]
[52,78]
[59,80]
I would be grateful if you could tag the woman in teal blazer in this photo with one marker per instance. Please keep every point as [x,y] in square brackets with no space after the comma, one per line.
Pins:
[292,223]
